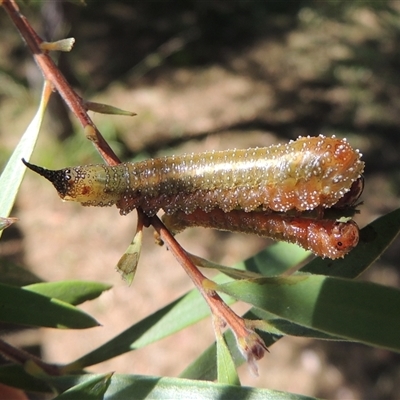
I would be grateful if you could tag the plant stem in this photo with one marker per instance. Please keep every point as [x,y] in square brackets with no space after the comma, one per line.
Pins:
[206,287]
[51,73]
[22,357]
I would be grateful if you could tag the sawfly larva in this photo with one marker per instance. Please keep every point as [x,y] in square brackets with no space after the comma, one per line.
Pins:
[309,173]
[324,237]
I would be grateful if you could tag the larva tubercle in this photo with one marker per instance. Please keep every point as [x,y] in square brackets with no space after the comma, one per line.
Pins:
[323,237]
[309,173]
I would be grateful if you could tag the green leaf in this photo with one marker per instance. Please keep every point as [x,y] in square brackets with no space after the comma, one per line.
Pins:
[191,308]
[20,306]
[107,109]
[164,322]
[149,387]
[204,367]
[11,178]
[225,364]
[174,317]
[128,263]
[12,274]
[277,326]
[91,389]
[275,259]
[360,311]
[72,292]
[231,272]
[15,376]
[384,230]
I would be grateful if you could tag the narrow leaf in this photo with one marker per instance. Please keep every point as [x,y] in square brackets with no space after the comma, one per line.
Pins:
[275,259]
[149,387]
[204,367]
[360,311]
[128,263]
[91,389]
[225,365]
[174,317]
[12,274]
[15,376]
[12,175]
[232,272]
[376,236]
[164,322]
[107,109]
[20,306]
[72,292]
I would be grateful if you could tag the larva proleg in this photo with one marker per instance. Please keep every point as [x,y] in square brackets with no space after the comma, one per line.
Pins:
[302,175]
[324,237]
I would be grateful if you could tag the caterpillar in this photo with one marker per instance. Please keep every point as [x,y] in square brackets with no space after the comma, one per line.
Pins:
[324,237]
[305,174]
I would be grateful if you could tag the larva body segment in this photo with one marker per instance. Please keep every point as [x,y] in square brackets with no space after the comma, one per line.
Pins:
[302,175]
[323,237]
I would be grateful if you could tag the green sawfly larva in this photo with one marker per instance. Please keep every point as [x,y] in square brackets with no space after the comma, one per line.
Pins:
[305,174]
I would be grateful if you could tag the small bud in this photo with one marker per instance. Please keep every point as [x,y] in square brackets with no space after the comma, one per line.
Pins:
[90,133]
[6,222]
[128,263]
[253,349]
[60,45]
[107,109]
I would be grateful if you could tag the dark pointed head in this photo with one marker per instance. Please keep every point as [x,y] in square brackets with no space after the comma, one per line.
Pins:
[60,179]
[90,185]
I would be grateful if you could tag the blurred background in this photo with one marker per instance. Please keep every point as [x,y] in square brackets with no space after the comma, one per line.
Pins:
[201,75]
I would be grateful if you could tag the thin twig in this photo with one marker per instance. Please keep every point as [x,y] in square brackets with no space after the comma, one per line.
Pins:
[19,356]
[57,79]
[249,342]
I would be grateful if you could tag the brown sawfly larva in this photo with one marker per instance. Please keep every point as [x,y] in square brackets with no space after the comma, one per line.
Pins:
[305,174]
[324,237]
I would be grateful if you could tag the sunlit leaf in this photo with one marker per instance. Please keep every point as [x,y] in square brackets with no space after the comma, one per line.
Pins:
[12,175]
[128,263]
[91,389]
[374,240]
[72,292]
[107,109]
[361,311]
[149,387]
[225,365]
[174,317]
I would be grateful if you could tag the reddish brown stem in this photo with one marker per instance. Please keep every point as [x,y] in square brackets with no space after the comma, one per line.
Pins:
[205,286]
[22,357]
[58,81]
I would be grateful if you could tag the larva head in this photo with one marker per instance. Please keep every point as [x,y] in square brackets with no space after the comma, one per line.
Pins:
[340,238]
[60,179]
[85,185]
